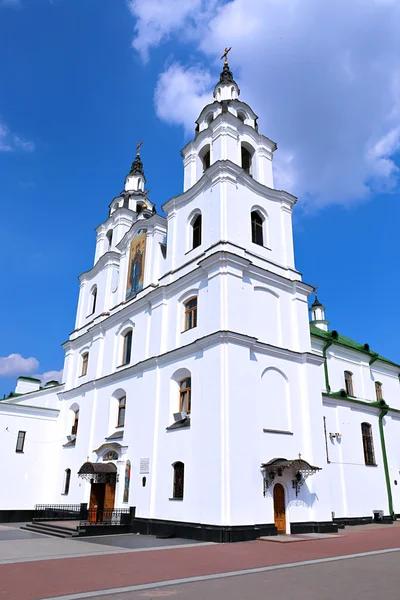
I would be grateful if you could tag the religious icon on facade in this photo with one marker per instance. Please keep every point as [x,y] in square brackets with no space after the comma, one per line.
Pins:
[136,265]
[127,480]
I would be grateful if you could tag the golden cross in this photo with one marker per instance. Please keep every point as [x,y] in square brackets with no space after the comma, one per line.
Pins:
[225,55]
[138,147]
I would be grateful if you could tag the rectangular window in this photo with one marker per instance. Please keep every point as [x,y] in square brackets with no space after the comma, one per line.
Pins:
[185,395]
[20,441]
[191,314]
[348,380]
[127,350]
[85,362]
[378,391]
[121,411]
[74,429]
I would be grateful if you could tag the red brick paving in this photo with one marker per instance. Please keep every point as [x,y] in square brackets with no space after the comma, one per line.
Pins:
[44,579]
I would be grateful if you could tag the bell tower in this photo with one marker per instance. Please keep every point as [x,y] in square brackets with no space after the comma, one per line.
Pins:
[227,129]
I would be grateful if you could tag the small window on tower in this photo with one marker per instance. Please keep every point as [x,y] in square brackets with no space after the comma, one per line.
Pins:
[85,362]
[191,314]
[378,391]
[121,411]
[246,160]
[257,228]
[127,347]
[196,226]
[93,300]
[109,237]
[206,160]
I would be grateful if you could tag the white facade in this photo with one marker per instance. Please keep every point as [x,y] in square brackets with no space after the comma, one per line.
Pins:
[259,389]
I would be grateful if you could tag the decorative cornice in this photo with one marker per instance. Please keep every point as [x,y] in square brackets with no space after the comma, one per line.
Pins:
[220,170]
[153,223]
[110,258]
[217,337]
[28,409]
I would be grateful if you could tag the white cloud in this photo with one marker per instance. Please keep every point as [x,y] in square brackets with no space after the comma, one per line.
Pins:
[323,76]
[15,364]
[156,20]
[13,3]
[9,142]
[181,94]
[51,376]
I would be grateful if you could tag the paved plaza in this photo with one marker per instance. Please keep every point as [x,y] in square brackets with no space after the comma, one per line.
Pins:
[359,563]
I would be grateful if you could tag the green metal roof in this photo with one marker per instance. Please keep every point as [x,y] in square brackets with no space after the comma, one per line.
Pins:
[347,342]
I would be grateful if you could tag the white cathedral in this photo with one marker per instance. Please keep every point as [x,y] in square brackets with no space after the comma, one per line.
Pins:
[195,388]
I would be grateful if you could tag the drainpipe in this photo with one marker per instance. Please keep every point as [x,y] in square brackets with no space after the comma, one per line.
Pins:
[384,410]
[328,387]
[373,359]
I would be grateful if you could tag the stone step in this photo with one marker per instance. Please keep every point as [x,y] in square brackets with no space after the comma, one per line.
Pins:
[47,529]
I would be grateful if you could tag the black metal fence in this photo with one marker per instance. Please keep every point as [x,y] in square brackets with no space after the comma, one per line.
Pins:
[57,512]
[86,516]
[104,516]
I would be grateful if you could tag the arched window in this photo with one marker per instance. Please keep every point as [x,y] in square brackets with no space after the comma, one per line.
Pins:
[378,390]
[109,237]
[205,156]
[127,347]
[257,221]
[93,300]
[206,160]
[67,480]
[74,430]
[85,362]
[179,476]
[368,444]
[191,313]
[121,411]
[196,233]
[348,381]
[246,160]
[241,116]
[185,395]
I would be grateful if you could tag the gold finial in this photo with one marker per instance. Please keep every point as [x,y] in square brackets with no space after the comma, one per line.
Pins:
[145,194]
[138,148]
[225,55]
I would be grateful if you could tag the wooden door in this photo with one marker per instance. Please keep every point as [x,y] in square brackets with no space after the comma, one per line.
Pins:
[97,493]
[109,499]
[279,508]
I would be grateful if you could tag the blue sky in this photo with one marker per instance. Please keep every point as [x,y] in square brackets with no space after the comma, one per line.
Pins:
[83,81]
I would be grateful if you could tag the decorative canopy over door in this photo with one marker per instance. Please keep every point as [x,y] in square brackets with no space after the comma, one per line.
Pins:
[298,468]
[98,472]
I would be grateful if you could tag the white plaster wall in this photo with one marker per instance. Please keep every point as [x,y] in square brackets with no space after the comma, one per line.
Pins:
[28,477]
[356,488]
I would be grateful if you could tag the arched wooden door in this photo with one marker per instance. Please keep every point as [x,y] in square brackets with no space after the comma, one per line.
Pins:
[279,508]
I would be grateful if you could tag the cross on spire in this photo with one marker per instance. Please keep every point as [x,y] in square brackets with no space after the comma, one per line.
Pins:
[225,55]
[138,148]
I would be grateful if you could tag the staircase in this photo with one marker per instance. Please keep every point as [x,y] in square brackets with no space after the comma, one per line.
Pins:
[67,529]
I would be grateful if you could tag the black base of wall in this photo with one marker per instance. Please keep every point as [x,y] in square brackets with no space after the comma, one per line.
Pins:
[104,530]
[313,527]
[349,521]
[16,516]
[202,532]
